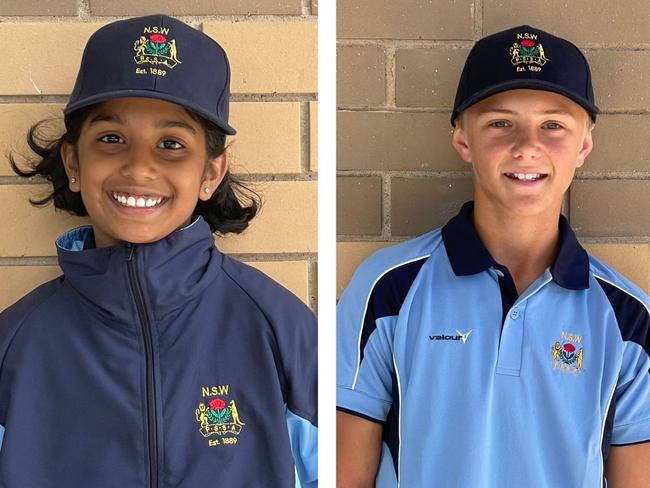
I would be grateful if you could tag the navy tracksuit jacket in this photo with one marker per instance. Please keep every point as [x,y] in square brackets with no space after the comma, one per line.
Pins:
[163,365]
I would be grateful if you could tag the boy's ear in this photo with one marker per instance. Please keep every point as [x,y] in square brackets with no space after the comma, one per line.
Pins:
[459,141]
[587,146]
[71,165]
[215,170]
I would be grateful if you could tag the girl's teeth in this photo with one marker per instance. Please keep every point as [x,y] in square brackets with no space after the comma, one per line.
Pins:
[139,202]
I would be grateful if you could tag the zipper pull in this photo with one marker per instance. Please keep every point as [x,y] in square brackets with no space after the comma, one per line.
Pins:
[130,250]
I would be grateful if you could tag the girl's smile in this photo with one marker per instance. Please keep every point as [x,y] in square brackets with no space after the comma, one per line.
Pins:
[141,166]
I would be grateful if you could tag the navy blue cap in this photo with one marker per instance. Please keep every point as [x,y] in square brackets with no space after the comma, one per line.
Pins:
[155,57]
[524,57]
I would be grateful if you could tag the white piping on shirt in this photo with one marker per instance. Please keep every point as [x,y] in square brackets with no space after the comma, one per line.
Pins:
[365,310]
[399,423]
[625,291]
[602,435]
[602,432]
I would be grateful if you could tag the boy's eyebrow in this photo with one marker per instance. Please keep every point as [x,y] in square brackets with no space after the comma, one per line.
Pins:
[551,111]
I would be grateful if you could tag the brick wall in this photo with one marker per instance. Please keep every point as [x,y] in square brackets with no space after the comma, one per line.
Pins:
[272,50]
[398,66]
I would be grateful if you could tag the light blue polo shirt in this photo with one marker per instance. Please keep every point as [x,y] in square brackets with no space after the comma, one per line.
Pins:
[477,386]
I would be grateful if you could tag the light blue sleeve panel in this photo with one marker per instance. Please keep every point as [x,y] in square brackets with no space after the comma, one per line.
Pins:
[371,395]
[304,447]
[632,408]
[2,435]
[364,330]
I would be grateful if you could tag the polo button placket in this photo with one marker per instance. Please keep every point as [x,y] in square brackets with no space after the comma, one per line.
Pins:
[512,335]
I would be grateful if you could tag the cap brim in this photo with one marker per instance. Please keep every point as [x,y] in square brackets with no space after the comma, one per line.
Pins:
[103,97]
[590,107]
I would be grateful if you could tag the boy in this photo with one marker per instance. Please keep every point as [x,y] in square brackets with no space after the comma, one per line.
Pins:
[495,352]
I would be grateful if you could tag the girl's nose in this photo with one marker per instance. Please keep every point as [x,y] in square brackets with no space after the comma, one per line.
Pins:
[140,164]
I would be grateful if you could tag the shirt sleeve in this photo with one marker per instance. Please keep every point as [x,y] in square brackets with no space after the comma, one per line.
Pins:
[631,400]
[364,368]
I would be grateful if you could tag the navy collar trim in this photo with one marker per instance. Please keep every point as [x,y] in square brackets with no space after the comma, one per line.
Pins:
[468,255]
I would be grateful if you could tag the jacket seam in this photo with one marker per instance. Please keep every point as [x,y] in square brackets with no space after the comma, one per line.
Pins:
[267,320]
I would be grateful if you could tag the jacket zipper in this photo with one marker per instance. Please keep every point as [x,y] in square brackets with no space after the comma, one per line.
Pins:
[148,351]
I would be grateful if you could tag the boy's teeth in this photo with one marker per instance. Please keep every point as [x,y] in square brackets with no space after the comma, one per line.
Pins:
[139,202]
[525,176]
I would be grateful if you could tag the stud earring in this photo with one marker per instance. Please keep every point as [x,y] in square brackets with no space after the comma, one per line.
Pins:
[206,190]
[73,180]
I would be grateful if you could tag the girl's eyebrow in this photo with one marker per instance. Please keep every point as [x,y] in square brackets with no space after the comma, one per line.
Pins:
[163,124]
[106,118]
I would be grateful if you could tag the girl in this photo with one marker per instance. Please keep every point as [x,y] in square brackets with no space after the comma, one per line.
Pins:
[154,360]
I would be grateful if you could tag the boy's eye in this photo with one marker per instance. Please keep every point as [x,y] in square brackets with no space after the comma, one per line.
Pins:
[552,125]
[170,144]
[499,124]
[112,139]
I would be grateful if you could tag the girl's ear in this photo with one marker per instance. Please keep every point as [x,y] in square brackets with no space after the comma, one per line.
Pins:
[215,170]
[71,165]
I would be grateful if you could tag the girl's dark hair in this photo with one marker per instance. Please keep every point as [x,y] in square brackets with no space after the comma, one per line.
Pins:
[230,209]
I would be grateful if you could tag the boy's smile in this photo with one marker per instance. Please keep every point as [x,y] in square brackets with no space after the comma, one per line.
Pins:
[141,166]
[524,147]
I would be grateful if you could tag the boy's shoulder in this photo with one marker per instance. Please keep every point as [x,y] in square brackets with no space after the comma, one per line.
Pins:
[391,258]
[609,276]
[268,295]
[630,303]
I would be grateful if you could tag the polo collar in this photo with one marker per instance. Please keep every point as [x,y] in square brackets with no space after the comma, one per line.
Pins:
[468,255]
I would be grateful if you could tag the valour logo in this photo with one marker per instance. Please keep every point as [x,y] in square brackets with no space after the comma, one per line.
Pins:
[462,336]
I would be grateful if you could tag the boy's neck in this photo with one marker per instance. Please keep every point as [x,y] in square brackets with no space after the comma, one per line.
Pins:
[526,245]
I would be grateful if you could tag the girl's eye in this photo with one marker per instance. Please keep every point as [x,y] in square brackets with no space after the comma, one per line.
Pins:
[112,139]
[499,124]
[170,144]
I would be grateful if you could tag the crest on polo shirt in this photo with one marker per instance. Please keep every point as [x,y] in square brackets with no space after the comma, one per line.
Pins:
[568,354]
[155,48]
[218,416]
[527,53]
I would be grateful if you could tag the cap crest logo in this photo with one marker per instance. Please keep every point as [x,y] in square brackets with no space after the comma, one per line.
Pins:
[154,47]
[527,51]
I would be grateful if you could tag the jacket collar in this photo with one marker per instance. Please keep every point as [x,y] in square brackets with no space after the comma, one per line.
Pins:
[468,255]
[171,271]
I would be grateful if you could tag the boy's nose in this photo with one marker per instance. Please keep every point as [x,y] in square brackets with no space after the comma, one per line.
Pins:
[526,143]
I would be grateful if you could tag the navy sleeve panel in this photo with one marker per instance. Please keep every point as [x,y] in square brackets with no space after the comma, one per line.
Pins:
[631,314]
[295,332]
[13,317]
[387,297]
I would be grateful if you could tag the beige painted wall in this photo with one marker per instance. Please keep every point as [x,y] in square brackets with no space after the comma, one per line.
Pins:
[272,49]
[398,66]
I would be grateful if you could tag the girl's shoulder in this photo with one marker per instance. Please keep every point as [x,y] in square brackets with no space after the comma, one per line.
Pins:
[268,295]
[32,304]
